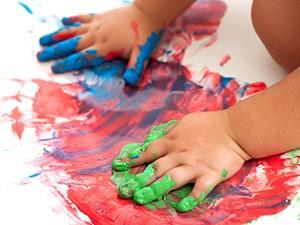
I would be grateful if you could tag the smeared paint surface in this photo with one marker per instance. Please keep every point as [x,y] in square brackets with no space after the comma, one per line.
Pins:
[104,115]
[86,142]
[199,23]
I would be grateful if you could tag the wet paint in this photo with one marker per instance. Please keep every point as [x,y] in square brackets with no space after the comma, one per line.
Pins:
[94,125]
[17,123]
[133,182]
[225,59]
[59,50]
[80,60]
[135,149]
[133,74]
[155,191]
[190,202]
[26,7]
[224,174]
[128,182]
[56,37]
[85,140]
[118,115]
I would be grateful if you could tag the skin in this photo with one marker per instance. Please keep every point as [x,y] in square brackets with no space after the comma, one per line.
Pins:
[201,145]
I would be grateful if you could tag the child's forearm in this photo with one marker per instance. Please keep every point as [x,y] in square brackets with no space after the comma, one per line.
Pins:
[163,11]
[269,123]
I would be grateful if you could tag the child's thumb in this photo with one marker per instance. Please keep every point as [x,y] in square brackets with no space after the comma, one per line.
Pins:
[139,59]
[137,62]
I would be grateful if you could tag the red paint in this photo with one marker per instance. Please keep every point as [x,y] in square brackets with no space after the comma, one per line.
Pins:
[114,55]
[225,59]
[87,147]
[255,87]
[17,124]
[96,127]
[52,101]
[65,35]
[135,28]
[200,21]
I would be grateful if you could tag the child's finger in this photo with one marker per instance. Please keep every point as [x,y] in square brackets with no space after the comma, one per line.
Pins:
[202,187]
[154,151]
[136,155]
[152,172]
[78,61]
[176,178]
[139,58]
[79,18]
[61,35]
[64,48]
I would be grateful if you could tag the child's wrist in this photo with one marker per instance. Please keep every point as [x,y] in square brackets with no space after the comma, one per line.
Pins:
[151,15]
[231,130]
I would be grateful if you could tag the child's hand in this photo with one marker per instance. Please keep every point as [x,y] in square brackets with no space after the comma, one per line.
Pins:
[200,149]
[89,40]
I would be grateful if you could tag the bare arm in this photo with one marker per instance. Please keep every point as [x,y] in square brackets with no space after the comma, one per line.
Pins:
[269,123]
[163,11]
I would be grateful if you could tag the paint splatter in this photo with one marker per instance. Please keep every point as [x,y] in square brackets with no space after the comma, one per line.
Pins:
[26,7]
[225,59]
[17,124]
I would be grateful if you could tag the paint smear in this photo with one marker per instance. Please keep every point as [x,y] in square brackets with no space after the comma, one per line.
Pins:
[115,115]
[225,59]
[199,22]
[92,119]
[17,123]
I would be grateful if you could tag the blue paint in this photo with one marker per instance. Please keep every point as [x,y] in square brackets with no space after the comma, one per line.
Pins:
[133,74]
[35,175]
[59,50]
[26,7]
[49,39]
[70,21]
[93,170]
[78,61]
[224,81]
[67,21]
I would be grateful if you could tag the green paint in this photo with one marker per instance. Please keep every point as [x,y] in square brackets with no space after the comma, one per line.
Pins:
[132,151]
[154,191]
[132,182]
[134,185]
[293,156]
[224,174]
[158,132]
[190,202]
